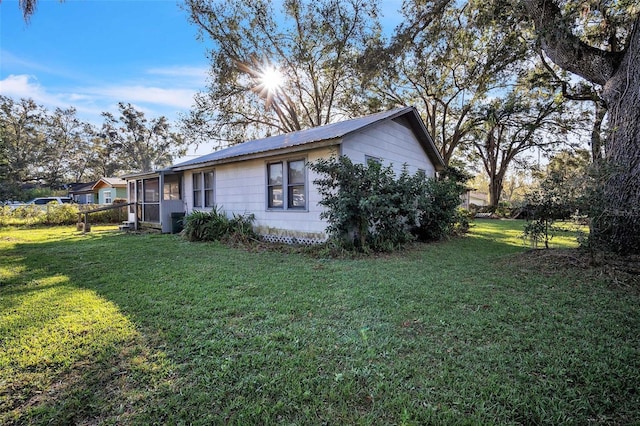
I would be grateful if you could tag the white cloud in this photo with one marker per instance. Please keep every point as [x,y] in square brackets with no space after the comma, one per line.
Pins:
[198,73]
[90,102]
[177,98]
[20,86]
[27,86]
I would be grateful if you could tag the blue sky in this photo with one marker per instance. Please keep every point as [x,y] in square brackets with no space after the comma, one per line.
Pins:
[92,54]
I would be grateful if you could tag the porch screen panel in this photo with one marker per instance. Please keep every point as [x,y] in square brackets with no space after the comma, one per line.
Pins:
[151,201]
[139,208]
[152,213]
[132,196]
[152,190]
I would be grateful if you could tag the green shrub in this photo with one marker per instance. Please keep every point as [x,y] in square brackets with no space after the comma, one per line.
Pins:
[241,227]
[5,215]
[556,198]
[366,207]
[216,226]
[61,214]
[57,214]
[369,209]
[29,214]
[437,206]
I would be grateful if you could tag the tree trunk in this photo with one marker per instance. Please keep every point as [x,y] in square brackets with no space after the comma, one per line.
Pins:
[495,190]
[618,226]
[596,131]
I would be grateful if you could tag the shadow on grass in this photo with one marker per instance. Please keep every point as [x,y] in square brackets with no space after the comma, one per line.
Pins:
[67,354]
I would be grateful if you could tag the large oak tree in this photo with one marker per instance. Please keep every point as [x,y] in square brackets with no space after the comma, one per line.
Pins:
[447,58]
[515,124]
[563,38]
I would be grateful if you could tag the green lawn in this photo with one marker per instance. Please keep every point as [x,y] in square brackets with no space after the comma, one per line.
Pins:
[108,328]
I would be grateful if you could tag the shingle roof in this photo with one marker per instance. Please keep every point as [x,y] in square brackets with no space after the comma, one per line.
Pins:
[110,181]
[315,134]
[114,181]
[77,188]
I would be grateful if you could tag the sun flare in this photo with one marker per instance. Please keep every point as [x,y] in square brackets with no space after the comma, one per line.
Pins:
[271,79]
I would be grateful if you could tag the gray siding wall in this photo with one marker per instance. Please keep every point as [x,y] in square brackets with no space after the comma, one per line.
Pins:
[241,188]
[393,142]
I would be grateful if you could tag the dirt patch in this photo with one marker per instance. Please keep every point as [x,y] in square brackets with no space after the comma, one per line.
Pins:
[619,271]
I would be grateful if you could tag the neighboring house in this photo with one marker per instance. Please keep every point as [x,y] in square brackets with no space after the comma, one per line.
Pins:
[83,193]
[471,196]
[269,177]
[108,189]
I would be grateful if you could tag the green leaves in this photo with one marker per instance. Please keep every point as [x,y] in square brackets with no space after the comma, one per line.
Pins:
[142,145]
[215,226]
[370,209]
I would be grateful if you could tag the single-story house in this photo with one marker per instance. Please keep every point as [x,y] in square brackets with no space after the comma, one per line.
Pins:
[474,197]
[110,188]
[83,193]
[269,177]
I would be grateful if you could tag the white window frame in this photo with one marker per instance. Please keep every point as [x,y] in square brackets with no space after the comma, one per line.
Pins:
[107,197]
[286,187]
[203,195]
[368,158]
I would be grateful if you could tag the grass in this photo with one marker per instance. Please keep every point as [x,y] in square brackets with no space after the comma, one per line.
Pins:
[109,328]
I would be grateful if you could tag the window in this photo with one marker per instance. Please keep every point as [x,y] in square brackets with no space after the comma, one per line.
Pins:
[208,189]
[197,190]
[203,189]
[294,181]
[369,158]
[274,186]
[295,185]
[107,197]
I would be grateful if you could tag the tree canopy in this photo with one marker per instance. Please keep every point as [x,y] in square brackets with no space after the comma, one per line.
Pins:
[142,145]
[276,70]
[54,148]
[448,58]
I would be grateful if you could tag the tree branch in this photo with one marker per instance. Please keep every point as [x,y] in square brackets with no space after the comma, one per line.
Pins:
[566,49]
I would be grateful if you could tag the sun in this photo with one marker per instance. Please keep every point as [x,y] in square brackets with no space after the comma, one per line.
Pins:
[271,79]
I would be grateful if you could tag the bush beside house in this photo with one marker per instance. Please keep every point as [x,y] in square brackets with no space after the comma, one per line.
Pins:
[369,209]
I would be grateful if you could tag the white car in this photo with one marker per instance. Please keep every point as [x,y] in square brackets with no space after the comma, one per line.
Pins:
[47,200]
[42,201]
